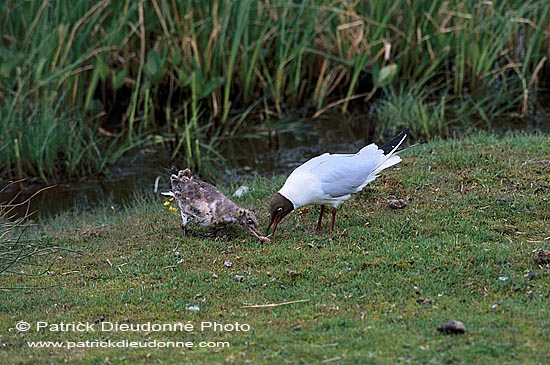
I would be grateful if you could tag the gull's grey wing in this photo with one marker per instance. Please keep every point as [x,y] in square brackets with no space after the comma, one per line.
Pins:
[347,174]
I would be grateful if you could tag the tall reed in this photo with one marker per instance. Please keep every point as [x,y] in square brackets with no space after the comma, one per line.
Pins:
[179,67]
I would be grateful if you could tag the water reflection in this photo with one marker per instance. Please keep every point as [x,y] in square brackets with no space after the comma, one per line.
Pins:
[267,153]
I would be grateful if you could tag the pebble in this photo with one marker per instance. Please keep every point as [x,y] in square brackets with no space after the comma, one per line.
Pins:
[542,257]
[397,203]
[452,327]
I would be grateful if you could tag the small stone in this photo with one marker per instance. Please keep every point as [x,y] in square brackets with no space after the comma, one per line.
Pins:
[292,273]
[542,257]
[423,301]
[243,189]
[397,203]
[239,278]
[452,327]
[227,263]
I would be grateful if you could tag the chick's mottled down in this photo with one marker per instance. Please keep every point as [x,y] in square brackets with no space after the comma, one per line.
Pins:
[205,205]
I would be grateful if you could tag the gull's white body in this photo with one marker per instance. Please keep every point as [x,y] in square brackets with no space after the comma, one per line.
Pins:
[332,178]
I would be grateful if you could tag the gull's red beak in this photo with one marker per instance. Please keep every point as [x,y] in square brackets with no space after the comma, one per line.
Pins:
[274,221]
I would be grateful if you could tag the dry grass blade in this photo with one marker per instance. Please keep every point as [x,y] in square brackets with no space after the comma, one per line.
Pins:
[16,251]
[271,305]
[368,95]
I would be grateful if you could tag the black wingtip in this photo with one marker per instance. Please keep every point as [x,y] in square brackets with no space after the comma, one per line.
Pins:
[395,141]
[174,170]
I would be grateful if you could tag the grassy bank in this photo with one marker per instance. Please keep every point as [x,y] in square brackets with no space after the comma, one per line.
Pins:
[193,73]
[478,210]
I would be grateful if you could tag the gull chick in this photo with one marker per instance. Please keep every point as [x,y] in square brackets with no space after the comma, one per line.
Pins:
[332,179]
[206,206]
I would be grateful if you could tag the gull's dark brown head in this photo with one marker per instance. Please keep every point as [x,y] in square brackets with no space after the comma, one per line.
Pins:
[278,209]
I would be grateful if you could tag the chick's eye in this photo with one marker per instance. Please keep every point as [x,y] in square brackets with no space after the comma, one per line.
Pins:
[250,221]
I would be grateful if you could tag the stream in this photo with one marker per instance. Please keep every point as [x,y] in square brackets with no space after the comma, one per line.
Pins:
[149,169]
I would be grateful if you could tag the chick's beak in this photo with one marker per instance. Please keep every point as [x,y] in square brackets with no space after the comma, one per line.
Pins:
[256,233]
[254,230]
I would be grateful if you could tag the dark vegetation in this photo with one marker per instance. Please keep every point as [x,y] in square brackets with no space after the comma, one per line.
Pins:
[82,83]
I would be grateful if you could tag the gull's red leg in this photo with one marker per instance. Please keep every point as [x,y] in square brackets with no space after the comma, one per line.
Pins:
[333,218]
[320,221]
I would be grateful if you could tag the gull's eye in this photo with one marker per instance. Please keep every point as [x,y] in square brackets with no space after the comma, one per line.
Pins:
[279,209]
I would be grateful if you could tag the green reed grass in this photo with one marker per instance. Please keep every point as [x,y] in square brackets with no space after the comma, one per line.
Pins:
[51,144]
[218,58]
[410,108]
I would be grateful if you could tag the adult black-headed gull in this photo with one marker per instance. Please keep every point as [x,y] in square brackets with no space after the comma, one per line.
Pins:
[331,179]
[207,206]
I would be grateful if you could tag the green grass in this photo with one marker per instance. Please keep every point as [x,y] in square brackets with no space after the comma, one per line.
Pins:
[478,210]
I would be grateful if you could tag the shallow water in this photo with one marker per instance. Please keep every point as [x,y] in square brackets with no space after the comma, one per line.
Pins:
[148,169]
